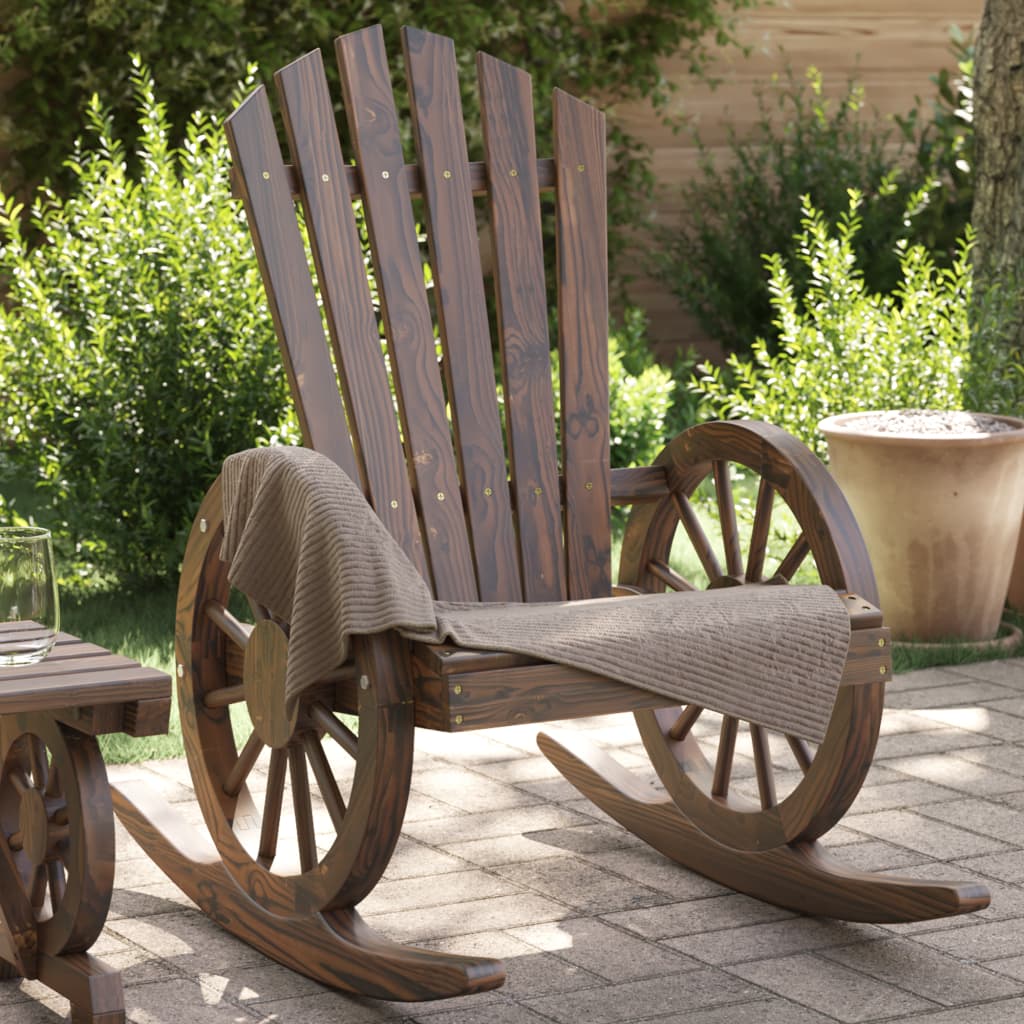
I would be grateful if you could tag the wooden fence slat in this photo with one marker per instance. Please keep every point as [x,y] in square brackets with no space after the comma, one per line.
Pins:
[282,260]
[352,323]
[462,309]
[511,159]
[582,249]
[373,123]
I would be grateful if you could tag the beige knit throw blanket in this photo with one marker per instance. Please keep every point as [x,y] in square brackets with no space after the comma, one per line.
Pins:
[302,540]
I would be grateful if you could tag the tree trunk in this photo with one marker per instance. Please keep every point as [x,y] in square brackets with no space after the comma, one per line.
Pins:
[998,212]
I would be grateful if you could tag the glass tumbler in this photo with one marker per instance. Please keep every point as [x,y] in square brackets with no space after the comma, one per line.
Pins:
[29,610]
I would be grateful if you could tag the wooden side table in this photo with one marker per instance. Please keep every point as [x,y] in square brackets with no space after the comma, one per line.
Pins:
[56,819]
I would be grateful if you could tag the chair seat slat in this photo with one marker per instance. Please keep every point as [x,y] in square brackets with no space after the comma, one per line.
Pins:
[352,323]
[462,309]
[283,265]
[582,250]
[373,123]
[510,153]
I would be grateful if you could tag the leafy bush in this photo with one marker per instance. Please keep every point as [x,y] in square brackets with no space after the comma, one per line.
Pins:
[844,347]
[68,51]
[804,144]
[136,348]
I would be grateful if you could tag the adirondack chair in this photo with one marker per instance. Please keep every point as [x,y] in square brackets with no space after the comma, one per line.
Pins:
[483,521]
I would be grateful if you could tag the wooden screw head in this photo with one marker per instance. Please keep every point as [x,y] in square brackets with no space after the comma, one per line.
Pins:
[266,175]
[488,491]
[325,178]
[881,670]
[385,175]
[394,503]
[203,525]
[440,495]
[447,175]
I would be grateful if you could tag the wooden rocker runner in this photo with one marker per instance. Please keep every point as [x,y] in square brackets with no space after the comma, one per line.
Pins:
[482,522]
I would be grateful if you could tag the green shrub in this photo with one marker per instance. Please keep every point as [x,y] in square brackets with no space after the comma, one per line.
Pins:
[844,347]
[136,349]
[199,50]
[805,144]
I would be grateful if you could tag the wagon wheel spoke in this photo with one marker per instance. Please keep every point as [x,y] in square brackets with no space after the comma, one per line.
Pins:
[224,696]
[302,803]
[338,731]
[727,519]
[58,882]
[794,559]
[329,792]
[801,752]
[760,531]
[272,808]
[38,763]
[698,538]
[243,766]
[684,723]
[231,626]
[669,576]
[37,890]
[726,751]
[763,766]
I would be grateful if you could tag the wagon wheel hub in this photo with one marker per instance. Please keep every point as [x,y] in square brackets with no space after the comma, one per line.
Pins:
[263,674]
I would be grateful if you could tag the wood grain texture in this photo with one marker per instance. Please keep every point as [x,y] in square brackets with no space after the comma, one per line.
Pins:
[510,152]
[462,309]
[282,259]
[351,320]
[459,690]
[336,949]
[373,124]
[412,179]
[582,259]
[802,877]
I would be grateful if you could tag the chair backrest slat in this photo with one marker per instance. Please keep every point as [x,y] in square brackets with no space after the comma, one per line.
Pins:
[462,309]
[582,251]
[511,159]
[282,259]
[352,323]
[373,124]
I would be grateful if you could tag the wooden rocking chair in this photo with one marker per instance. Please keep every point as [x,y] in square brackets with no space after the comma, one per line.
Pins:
[485,523]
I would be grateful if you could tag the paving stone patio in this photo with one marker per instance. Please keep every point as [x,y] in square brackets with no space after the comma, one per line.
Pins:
[501,857]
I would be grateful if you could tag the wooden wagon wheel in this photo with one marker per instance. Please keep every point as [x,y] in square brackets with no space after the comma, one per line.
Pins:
[57,823]
[699,772]
[305,747]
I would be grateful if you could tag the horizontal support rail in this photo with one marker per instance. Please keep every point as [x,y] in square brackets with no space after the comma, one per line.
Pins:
[413,181]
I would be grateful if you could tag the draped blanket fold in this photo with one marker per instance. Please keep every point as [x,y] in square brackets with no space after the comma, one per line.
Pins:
[302,540]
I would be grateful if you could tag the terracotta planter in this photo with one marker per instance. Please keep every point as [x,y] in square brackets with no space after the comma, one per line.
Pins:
[940,514]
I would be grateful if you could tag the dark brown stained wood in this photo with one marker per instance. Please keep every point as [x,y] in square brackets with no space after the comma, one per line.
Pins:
[39,691]
[804,876]
[511,157]
[638,485]
[351,320]
[582,249]
[461,690]
[282,260]
[411,179]
[462,309]
[373,123]
[337,948]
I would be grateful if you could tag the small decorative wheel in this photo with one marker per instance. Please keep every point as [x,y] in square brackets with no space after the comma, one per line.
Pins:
[346,816]
[57,821]
[791,791]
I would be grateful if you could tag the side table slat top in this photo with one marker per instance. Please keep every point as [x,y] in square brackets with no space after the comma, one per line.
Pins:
[77,673]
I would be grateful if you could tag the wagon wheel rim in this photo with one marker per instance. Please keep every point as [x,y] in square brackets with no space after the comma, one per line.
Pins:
[828,776]
[57,820]
[334,858]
